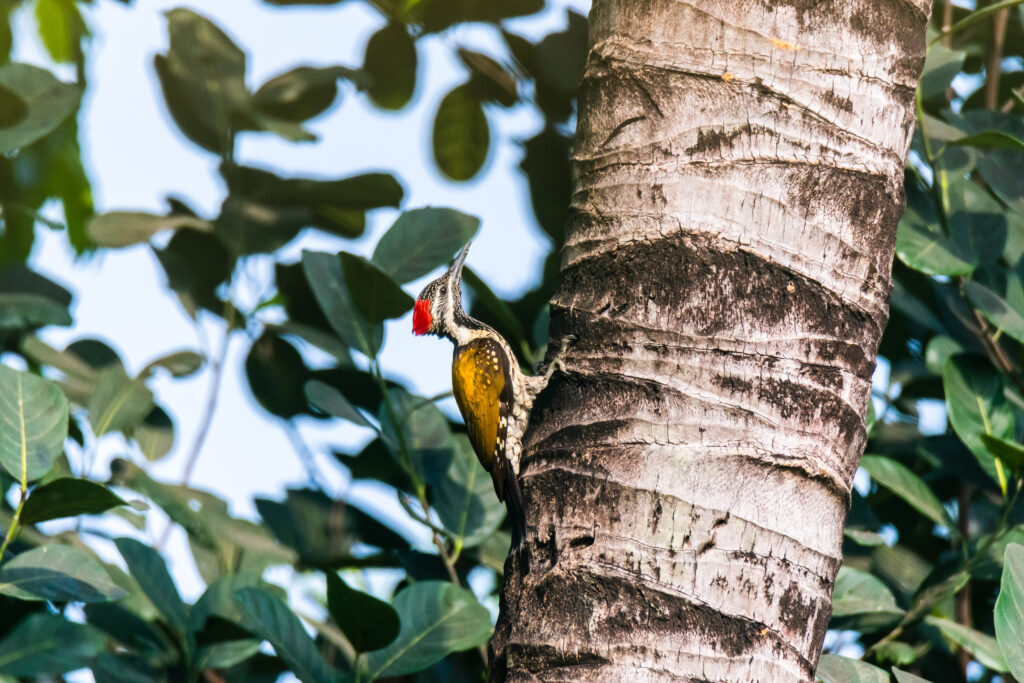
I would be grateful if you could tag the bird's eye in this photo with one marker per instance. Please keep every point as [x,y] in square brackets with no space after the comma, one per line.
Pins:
[444,289]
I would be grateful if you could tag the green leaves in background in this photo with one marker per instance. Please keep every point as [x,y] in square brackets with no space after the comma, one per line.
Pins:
[861,601]
[34,104]
[48,645]
[326,278]
[461,134]
[67,497]
[908,486]
[837,669]
[334,403]
[147,567]
[58,573]
[421,240]
[982,647]
[417,429]
[1009,613]
[437,618]
[465,499]
[374,293]
[125,228]
[33,423]
[976,406]
[390,67]
[368,623]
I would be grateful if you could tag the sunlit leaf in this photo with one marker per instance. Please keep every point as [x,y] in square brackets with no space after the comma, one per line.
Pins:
[976,406]
[58,573]
[421,240]
[982,647]
[119,402]
[124,228]
[300,93]
[838,669]
[24,311]
[1009,614]
[861,601]
[33,423]
[910,487]
[61,27]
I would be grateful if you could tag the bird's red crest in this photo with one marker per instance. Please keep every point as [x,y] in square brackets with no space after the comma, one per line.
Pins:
[421,317]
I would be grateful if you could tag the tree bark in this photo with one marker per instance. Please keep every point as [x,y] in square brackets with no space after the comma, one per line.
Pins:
[738,181]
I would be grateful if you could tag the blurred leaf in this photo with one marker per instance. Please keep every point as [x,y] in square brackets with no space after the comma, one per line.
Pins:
[904,677]
[277,374]
[219,600]
[155,434]
[368,623]
[464,498]
[57,573]
[437,618]
[1009,612]
[1011,454]
[375,462]
[300,93]
[420,431]
[461,135]
[837,669]
[976,406]
[991,139]
[26,311]
[374,293]
[390,64]
[173,500]
[364,191]
[862,602]
[46,645]
[437,15]
[148,568]
[940,348]
[122,668]
[327,280]
[333,402]
[1002,169]
[490,80]
[33,423]
[48,102]
[196,264]
[923,247]
[910,487]
[983,648]
[995,310]
[68,497]
[485,297]
[128,628]
[61,27]
[940,68]
[546,165]
[124,228]
[179,364]
[271,619]
[421,240]
[119,402]
[13,109]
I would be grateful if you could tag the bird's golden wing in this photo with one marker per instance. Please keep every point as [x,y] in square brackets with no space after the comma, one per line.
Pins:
[483,391]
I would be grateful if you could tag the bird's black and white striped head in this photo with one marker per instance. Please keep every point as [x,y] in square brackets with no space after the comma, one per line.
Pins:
[438,309]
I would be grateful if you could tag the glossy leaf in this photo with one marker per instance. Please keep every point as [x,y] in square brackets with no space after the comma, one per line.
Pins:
[421,240]
[375,294]
[838,669]
[368,623]
[437,618]
[390,66]
[47,103]
[272,620]
[982,647]
[461,135]
[911,488]
[33,423]
[1009,614]
[147,567]
[46,645]
[58,573]
[465,500]
[125,228]
[976,406]
[67,497]
[333,402]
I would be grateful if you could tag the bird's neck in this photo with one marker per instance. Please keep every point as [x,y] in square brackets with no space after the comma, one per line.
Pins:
[462,328]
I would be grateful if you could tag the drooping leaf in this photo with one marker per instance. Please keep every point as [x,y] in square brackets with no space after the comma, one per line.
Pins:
[911,488]
[1009,453]
[333,402]
[838,669]
[461,135]
[67,497]
[196,264]
[271,619]
[46,645]
[437,618]
[976,405]
[465,499]
[47,102]
[862,602]
[125,228]
[150,571]
[421,240]
[1009,614]
[368,623]
[982,647]
[375,294]
[390,66]
[33,423]
[327,280]
[58,573]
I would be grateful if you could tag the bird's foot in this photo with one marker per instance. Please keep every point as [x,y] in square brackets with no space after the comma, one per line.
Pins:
[558,362]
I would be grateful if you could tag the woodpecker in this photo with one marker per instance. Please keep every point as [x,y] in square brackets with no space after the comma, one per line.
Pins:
[493,394]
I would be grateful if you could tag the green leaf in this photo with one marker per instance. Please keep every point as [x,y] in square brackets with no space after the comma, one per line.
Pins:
[437,618]
[271,619]
[368,623]
[983,648]
[119,403]
[991,139]
[390,65]
[922,246]
[1002,168]
[465,499]
[276,374]
[155,434]
[837,669]
[910,487]
[219,600]
[995,310]
[904,677]
[1009,453]
[1009,614]
[500,311]
[940,348]
[976,406]
[424,432]
[333,402]
[179,364]
[47,645]
[33,423]
[61,27]
[301,93]
[327,280]
[861,601]
[421,240]
[375,294]
[461,135]
[940,68]
[58,573]
[150,571]
[67,497]
[125,228]
[23,311]
[48,102]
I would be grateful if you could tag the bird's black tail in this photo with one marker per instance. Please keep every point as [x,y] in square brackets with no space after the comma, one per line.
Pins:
[516,509]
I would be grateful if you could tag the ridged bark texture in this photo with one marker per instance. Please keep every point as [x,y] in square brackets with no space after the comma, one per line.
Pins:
[739,178]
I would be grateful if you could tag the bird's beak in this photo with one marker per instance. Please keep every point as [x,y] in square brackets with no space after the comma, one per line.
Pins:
[455,272]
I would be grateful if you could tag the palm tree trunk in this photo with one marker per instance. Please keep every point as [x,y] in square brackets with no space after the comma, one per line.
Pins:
[739,178]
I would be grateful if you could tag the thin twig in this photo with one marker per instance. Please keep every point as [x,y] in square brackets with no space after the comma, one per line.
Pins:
[962,607]
[306,456]
[995,58]
[947,22]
